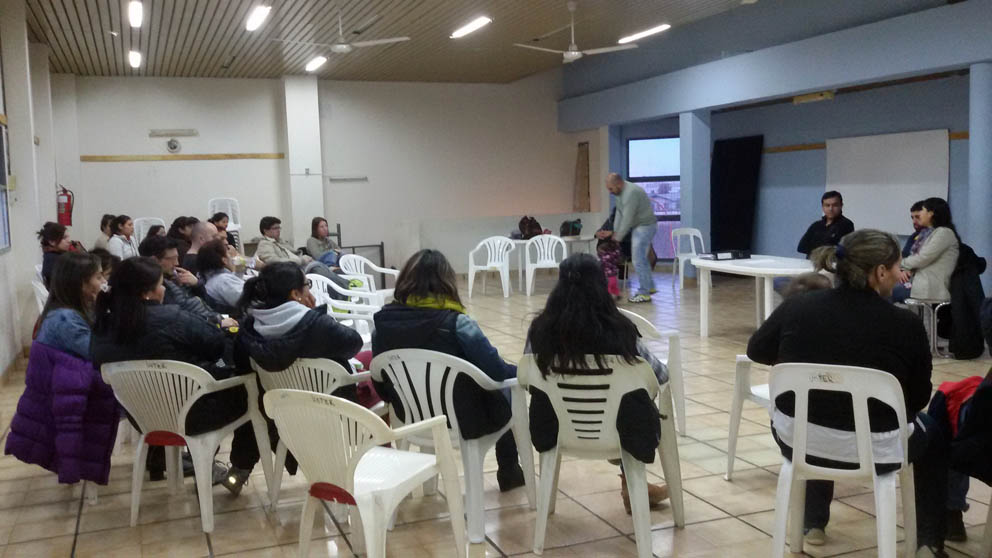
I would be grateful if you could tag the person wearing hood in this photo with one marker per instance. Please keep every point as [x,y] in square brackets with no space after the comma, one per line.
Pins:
[283,325]
[428,314]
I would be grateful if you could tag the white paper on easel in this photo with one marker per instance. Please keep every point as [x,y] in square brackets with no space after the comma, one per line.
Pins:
[881,176]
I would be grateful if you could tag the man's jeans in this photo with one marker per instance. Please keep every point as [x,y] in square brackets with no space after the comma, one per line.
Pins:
[641,238]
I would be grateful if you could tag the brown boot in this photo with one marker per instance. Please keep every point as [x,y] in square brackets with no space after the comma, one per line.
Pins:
[657,493]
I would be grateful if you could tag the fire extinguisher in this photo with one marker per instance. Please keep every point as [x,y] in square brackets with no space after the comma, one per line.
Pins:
[65,199]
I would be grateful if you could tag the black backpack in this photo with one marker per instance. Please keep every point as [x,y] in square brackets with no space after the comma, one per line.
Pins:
[529,227]
[570,228]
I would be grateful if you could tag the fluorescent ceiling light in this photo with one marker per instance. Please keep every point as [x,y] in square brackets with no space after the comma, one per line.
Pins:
[134,58]
[474,25]
[257,17]
[645,33]
[135,13]
[317,62]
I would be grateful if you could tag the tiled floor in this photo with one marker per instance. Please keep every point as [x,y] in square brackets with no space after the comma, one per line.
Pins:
[38,517]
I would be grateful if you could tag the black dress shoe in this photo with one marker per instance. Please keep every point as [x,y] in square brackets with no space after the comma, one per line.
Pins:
[155,476]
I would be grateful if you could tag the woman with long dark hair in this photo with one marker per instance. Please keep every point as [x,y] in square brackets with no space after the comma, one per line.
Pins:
[283,325]
[54,242]
[926,275]
[581,319]
[427,313]
[854,324]
[122,244]
[65,322]
[133,324]
[67,417]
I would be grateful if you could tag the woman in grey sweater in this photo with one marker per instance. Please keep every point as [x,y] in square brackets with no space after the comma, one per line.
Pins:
[320,246]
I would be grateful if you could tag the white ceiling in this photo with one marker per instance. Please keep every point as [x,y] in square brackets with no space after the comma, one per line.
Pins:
[207,38]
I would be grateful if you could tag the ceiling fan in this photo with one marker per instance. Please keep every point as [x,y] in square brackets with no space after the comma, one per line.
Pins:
[341,46]
[573,53]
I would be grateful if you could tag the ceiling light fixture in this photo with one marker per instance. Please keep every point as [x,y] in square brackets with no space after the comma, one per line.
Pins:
[474,25]
[317,62]
[135,13]
[134,58]
[257,17]
[645,33]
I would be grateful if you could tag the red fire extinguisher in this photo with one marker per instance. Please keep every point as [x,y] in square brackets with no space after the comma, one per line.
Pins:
[65,200]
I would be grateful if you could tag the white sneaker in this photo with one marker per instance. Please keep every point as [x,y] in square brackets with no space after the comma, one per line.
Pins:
[815,537]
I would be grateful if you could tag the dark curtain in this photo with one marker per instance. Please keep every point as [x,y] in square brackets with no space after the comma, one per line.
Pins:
[733,190]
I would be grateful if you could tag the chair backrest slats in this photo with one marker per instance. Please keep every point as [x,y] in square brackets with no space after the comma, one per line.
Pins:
[498,250]
[319,375]
[861,383]
[691,235]
[546,249]
[157,393]
[327,435]
[586,401]
[424,382]
[229,206]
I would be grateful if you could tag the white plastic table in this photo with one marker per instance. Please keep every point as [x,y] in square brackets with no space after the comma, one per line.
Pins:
[763,268]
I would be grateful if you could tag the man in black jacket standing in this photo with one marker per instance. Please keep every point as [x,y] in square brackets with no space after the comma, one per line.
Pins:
[830,228]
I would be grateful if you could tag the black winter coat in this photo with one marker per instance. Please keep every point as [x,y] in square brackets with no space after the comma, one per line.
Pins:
[170,333]
[316,335]
[966,300]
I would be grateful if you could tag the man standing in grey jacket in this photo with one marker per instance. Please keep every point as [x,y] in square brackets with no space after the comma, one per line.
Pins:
[634,216]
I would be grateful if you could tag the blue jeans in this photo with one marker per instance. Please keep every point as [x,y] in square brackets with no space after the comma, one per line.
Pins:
[640,239]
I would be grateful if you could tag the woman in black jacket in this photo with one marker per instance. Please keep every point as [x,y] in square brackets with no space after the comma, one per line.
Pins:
[855,325]
[428,314]
[282,326]
[133,324]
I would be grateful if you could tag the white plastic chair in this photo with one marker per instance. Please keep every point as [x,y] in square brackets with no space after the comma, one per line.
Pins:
[229,206]
[586,406]
[40,295]
[674,363]
[158,395]
[498,250]
[141,226]
[353,264]
[862,384]
[986,551]
[319,375]
[339,448]
[743,391]
[681,257]
[322,288]
[546,256]
[424,381]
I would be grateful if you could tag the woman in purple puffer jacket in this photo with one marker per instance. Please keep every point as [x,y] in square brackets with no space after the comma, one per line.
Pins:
[66,420]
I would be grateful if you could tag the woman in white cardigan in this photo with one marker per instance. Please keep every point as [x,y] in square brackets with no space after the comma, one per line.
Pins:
[929,271]
[122,244]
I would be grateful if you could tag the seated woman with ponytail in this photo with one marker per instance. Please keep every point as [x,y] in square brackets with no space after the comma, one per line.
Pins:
[283,325]
[133,324]
[222,285]
[854,324]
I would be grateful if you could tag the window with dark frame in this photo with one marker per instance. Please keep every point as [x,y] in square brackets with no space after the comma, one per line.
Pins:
[653,164]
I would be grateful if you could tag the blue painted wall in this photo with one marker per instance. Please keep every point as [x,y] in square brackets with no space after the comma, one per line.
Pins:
[790,184]
[742,29]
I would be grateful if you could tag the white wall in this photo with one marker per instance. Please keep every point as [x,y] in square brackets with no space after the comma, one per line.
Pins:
[475,156]
[231,115]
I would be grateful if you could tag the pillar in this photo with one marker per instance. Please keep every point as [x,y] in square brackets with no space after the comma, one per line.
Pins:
[306,187]
[979,233]
[694,161]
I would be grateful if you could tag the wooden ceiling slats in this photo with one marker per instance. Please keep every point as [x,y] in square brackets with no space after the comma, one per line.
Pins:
[207,38]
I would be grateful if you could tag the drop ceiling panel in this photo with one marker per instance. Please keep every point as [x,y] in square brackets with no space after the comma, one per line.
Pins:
[207,38]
